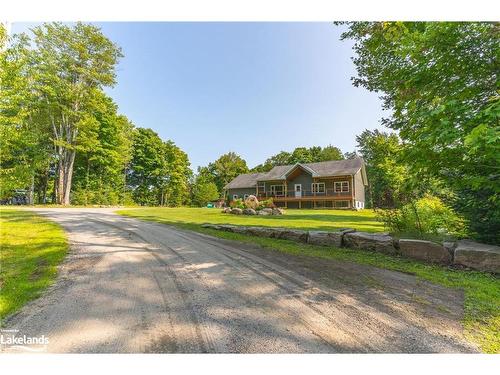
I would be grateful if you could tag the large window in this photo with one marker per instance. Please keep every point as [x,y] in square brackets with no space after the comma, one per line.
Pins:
[277,190]
[341,186]
[318,187]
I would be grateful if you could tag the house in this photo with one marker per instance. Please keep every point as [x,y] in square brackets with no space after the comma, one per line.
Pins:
[328,184]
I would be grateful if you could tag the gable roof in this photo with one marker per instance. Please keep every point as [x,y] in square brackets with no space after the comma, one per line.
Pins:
[247,180]
[319,169]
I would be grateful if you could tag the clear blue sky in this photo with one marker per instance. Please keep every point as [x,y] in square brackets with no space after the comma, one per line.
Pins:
[252,88]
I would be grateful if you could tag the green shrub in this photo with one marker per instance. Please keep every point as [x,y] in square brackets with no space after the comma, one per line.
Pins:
[268,203]
[237,203]
[426,217]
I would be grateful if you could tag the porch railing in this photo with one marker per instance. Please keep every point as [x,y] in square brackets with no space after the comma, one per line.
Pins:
[303,194]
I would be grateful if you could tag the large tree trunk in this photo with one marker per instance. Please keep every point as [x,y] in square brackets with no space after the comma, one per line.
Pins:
[65,176]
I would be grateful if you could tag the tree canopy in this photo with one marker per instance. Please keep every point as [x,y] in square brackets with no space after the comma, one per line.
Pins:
[439,81]
[301,155]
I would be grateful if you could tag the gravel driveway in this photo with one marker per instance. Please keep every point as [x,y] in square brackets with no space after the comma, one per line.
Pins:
[134,286]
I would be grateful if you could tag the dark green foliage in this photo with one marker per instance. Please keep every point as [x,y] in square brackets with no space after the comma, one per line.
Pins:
[381,152]
[301,155]
[204,192]
[223,170]
[427,217]
[440,82]
[159,171]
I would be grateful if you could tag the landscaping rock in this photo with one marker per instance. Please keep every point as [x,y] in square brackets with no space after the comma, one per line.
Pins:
[249,211]
[323,238]
[260,231]
[290,234]
[236,211]
[277,211]
[239,229]
[425,250]
[450,247]
[381,243]
[481,257]
[266,211]
[252,202]
[211,226]
[227,228]
[226,210]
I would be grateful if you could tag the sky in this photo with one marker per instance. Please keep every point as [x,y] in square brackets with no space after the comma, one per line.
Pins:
[252,88]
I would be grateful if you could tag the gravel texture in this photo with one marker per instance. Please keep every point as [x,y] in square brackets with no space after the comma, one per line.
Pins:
[130,286]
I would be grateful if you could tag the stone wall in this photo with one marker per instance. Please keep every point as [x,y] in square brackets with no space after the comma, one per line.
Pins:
[463,253]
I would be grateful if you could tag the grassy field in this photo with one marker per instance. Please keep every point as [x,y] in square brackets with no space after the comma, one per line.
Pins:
[30,250]
[301,219]
[482,291]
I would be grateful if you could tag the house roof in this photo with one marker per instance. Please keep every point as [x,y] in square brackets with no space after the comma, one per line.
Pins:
[247,180]
[320,169]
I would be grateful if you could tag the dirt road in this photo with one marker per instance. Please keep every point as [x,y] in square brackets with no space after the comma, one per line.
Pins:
[134,286]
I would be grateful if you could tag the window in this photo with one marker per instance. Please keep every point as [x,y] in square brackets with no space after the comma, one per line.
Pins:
[341,186]
[277,190]
[245,196]
[318,187]
[235,196]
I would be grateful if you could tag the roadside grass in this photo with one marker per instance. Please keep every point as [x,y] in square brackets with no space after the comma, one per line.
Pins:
[363,220]
[482,290]
[31,248]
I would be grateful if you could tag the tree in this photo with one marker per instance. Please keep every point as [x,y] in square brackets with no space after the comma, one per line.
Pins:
[25,146]
[440,82]
[223,170]
[70,66]
[204,192]
[104,148]
[381,152]
[300,155]
[159,171]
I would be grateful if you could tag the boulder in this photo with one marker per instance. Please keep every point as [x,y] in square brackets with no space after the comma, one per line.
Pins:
[249,211]
[277,211]
[226,210]
[323,238]
[211,226]
[381,243]
[251,202]
[239,229]
[236,211]
[425,250]
[260,231]
[227,228]
[481,257]
[266,211]
[450,247]
[290,234]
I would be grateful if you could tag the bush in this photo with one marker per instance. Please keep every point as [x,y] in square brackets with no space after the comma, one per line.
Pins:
[428,216]
[266,204]
[237,203]
[204,193]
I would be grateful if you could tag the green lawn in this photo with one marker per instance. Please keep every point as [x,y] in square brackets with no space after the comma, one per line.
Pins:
[482,291]
[31,247]
[301,219]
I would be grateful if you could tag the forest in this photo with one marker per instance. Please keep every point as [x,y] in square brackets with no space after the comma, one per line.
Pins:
[63,140]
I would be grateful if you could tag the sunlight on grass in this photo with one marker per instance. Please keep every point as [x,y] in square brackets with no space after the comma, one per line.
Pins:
[301,219]
[30,250]
[482,291]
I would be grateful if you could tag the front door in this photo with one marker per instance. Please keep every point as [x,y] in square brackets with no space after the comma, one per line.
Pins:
[298,190]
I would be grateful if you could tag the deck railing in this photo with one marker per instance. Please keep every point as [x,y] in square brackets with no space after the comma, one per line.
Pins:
[303,194]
